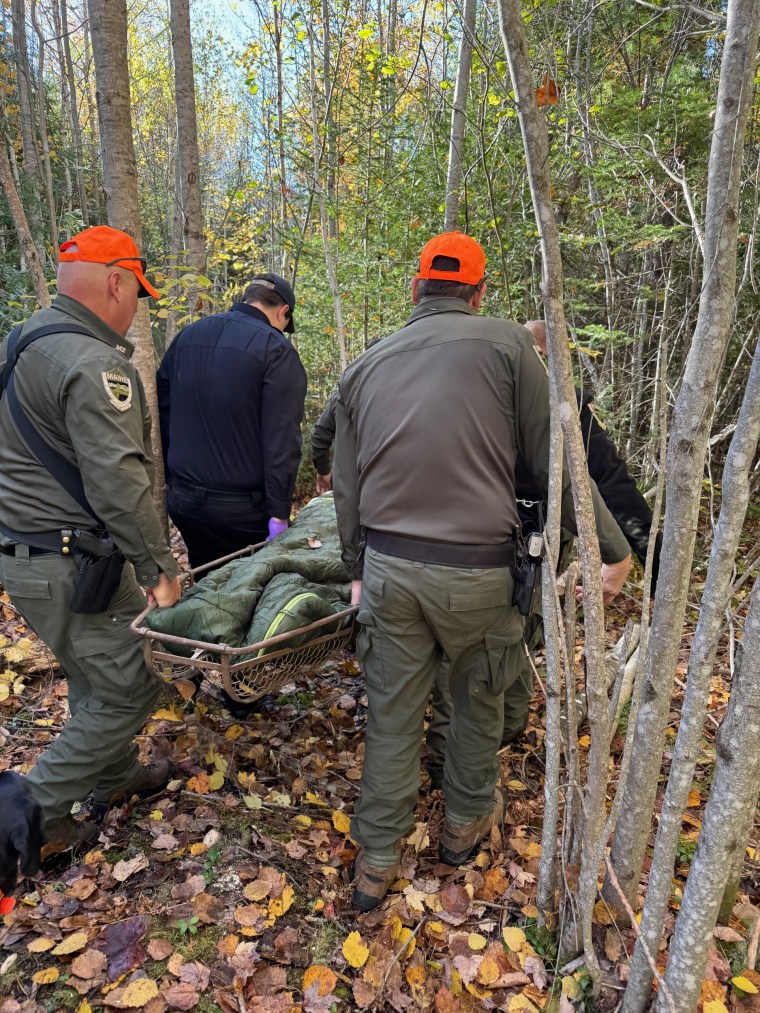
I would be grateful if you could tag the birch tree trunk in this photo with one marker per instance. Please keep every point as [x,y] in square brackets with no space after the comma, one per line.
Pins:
[734,793]
[29,250]
[688,442]
[30,174]
[108,27]
[47,171]
[715,600]
[76,128]
[188,158]
[536,142]
[459,116]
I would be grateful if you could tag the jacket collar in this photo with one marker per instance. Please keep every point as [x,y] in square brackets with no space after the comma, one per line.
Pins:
[442,304]
[74,308]
[255,312]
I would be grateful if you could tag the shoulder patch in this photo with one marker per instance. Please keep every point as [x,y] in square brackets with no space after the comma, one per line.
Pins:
[541,359]
[118,388]
[595,412]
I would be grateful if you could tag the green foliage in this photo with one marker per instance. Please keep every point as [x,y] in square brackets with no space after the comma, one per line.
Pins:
[188,926]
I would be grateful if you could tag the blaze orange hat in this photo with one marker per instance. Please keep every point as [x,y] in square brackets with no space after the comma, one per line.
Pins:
[455,246]
[112,248]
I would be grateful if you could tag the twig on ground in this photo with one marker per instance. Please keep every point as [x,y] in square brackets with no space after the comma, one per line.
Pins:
[634,924]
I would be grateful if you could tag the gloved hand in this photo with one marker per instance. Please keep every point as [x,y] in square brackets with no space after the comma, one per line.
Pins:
[20,830]
[276,527]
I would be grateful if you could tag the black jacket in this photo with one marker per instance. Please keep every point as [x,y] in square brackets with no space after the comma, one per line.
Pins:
[617,488]
[231,392]
[323,437]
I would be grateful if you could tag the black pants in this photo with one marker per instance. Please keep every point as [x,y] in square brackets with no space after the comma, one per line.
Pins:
[215,523]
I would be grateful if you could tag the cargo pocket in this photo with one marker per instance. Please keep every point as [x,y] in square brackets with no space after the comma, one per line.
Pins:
[111,660]
[369,650]
[26,587]
[502,649]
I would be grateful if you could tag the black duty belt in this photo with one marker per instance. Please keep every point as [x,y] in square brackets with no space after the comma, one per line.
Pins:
[443,553]
[202,492]
[9,549]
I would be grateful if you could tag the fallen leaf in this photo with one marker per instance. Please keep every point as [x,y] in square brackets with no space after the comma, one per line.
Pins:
[139,992]
[728,935]
[738,982]
[89,964]
[124,869]
[488,972]
[40,945]
[181,996]
[120,942]
[325,979]
[354,950]
[514,938]
[46,977]
[341,822]
[71,944]
[196,974]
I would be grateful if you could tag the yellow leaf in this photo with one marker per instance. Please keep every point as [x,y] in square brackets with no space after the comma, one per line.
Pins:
[530,911]
[139,992]
[216,780]
[326,979]
[46,976]
[584,741]
[416,976]
[354,950]
[714,1006]
[477,942]
[302,819]
[341,822]
[4,692]
[488,972]
[405,936]
[40,945]
[84,1007]
[571,987]
[77,941]
[521,1002]
[514,938]
[315,800]
[234,732]
[695,799]
[167,714]
[198,849]
[436,930]
[156,815]
[516,785]
[740,982]
[280,905]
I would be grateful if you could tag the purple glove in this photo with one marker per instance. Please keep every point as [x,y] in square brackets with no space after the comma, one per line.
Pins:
[276,528]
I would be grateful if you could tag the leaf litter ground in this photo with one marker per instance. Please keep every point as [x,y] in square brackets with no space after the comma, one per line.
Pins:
[230,891]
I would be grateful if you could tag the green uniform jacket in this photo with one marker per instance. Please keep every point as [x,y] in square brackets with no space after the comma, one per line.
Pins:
[88,403]
[460,396]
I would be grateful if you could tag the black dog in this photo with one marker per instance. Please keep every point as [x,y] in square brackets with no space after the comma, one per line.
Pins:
[20,830]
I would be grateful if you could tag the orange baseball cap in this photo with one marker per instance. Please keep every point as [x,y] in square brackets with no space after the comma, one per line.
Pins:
[456,246]
[110,247]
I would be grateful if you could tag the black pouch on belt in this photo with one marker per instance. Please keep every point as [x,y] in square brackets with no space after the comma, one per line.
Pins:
[98,578]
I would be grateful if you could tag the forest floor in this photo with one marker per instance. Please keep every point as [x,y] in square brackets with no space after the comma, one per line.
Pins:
[231,890]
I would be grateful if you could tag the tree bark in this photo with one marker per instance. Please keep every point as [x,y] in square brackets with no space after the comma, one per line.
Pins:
[28,248]
[76,128]
[734,793]
[688,442]
[30,173]
[459,117]
[47,171]
[536,142]
[188,158]
[108,28]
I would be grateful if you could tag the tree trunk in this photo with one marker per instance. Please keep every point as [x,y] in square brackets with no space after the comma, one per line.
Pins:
[688,442]
[76,129]
[734,793]
[47,172]
[108,27]
[536,142]
[188,158]
[459,116]
[29,250]
[30,175]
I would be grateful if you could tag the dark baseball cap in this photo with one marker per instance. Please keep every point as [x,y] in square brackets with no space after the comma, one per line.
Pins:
[283,289]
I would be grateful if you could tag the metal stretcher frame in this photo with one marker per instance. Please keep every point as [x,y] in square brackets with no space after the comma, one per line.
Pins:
[245,678]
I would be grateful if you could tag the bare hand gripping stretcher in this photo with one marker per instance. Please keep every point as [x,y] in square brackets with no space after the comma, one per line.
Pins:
[270,612]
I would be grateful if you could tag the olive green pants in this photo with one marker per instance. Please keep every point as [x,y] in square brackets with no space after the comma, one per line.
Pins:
[411,615]
[111,691]
[517,697]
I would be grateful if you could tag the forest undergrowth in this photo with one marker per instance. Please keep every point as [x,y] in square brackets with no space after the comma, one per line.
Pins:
[231,890]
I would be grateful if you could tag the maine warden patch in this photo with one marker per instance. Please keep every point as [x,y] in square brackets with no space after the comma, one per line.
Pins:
[118,388]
